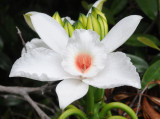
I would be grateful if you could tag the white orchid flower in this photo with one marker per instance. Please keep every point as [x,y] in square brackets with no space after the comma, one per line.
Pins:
[79,61]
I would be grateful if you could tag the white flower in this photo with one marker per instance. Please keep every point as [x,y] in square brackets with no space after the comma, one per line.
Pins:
[79,61]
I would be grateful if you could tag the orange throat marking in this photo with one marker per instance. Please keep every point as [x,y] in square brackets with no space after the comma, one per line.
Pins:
[83,62]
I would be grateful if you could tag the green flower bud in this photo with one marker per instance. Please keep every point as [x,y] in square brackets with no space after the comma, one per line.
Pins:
[100,4]
[57,17]
[96,12]
[92,23]
[103,25]
[78,25]
[83,19]
[68,27]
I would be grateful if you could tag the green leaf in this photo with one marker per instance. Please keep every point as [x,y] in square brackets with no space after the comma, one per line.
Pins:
[117,6]
[148,42]
[108,15]
[152,74]
[140,64]
[155,58]
[85,5]
[149,7]
[1,44]
[133,40]
[5,62]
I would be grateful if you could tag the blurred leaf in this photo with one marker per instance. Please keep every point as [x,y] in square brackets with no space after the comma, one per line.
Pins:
[133,40]
[117,6]
[10,28]
[5,62]
[148,42]
[142,27]
[1,44]
[12,101]
[155,58]
[108,15]
[140,64]
[7,114]
[152,74]
[148,110]
[85,5]
[149,7]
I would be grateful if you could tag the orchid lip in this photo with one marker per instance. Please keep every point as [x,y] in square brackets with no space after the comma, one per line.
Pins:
[83,62]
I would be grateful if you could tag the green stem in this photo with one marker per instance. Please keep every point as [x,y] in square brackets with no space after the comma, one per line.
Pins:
[71,107]
[116,117]
[90,102]
[118,105]
[99,94]
[73,111]
[108,113]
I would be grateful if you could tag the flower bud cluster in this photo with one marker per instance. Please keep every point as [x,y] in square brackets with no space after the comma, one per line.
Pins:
[95,21]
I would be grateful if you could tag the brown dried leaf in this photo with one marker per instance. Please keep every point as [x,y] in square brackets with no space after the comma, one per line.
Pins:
[121,96]
[108,92]
[148,110]
[154,99]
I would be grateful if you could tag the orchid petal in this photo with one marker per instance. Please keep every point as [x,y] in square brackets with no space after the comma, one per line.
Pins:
[98,4]
[50,31]
[39,64]
[119,71]
[84,42]
[34,43]
[28,19]
[70,90]
[121,32]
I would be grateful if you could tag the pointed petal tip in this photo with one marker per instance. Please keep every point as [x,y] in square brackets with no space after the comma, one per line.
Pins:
[135,17]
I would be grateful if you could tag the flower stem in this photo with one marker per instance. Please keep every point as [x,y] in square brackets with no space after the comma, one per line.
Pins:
[73,111]
[70,107]
[119,105]
[116,117]
[90,102]
[98,94]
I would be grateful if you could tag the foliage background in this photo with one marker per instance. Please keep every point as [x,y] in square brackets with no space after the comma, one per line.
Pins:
[11,15]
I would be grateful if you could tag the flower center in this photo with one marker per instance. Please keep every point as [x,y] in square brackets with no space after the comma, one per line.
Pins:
[83,62]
